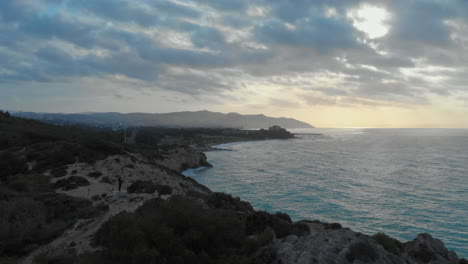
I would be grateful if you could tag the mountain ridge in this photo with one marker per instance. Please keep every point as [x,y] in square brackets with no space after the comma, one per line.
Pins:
[203,118]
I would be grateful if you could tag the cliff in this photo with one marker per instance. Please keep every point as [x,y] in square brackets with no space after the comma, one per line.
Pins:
[156,186]
[60,202]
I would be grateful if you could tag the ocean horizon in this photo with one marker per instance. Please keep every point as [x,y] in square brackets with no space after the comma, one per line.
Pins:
[400,181]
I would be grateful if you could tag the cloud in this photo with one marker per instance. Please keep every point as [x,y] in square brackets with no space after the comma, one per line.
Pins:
[322,34]
[212,47]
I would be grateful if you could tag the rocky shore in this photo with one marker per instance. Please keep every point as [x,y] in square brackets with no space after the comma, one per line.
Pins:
[118,205]
[287,242]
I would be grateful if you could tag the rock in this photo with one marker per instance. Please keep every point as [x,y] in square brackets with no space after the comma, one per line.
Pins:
[424,248]
[291,239]
[326,245]
[362,250]
[180,159]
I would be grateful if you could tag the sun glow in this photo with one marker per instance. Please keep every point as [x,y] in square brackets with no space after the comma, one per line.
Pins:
[371,20]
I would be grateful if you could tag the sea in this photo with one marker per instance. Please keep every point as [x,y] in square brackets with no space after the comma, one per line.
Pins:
[402,182]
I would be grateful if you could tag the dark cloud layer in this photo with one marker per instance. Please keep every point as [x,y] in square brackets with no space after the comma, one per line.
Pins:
[187,46]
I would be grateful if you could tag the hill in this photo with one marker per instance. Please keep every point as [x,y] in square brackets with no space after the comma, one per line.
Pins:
[176,119]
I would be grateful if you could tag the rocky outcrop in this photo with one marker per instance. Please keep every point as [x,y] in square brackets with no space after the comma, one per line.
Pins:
[426,249]
[273,238]
[342,245]
[180,159]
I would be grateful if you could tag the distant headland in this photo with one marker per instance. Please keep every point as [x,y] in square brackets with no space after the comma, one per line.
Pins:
[185,119]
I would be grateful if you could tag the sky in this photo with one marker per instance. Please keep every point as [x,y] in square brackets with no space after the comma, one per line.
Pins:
[331,63]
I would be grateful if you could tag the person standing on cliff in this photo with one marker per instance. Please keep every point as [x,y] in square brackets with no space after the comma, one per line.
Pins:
[120,182]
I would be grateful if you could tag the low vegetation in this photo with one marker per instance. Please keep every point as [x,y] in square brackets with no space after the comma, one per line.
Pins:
[32,214]
[168,137]
[32,146]
[388,243]
[149,187]
[182,230]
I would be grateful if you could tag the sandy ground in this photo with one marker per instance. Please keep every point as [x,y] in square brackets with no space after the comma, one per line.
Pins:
[131,168]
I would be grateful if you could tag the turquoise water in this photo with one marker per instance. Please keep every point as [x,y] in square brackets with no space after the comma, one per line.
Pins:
[399,181]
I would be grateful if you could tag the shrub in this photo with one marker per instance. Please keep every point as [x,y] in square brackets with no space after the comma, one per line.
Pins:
[257,222]
[142,187]
[27,221]
[11,164]
[179,230]
[71,182]
[20,221]
[284,216]
[226,201]
[29,183]
[163,189]
[95,174]
[49,257]
[390,244]
[363,251]
[106,179]
[59,172]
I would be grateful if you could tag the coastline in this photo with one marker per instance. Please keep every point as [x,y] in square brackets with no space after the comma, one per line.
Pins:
[425,240]
[155,183]
[221,147]
[288,241]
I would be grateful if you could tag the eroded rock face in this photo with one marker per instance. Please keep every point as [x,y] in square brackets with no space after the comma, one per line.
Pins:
[180,159]
[325,245]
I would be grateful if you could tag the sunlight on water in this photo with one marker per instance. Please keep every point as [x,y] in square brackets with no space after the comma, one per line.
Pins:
[399,181]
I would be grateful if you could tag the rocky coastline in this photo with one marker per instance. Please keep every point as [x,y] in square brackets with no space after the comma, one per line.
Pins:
[127,206]
[288,242]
